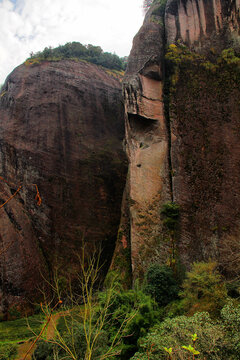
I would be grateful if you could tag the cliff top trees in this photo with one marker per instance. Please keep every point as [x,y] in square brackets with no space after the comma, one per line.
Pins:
[90,53]
[147,3]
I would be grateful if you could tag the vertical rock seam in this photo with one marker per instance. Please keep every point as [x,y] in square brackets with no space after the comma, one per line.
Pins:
[159,148]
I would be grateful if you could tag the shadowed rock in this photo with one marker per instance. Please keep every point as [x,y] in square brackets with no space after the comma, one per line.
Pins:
[182,137]
[61,127]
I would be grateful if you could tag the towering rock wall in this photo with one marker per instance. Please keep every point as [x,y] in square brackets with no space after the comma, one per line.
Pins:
[61,127]
[148,184]
[182,140]
[197,22]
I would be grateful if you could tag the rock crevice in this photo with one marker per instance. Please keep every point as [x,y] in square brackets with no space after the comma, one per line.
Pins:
[171,121]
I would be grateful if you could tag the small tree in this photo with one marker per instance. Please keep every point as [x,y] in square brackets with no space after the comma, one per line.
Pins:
[162,3]
[183,337]
[204,289]
[161,284]
[84,319]
[171,214]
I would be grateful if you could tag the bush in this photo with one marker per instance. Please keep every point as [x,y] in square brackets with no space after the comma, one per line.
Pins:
[171,213]
[76,344]
[177,332]
[204,289]
[173,309]
[134,305]
[161,284]
[75,50]
[129,315]
[8,351]
[18,330]
[230,315]
[44,351]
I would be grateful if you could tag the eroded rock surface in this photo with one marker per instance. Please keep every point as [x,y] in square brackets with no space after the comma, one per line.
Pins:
[147,148]
[197,22]
[180,123]
[61,127]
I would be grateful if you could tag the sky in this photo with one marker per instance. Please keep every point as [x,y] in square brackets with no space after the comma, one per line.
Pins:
[30,25]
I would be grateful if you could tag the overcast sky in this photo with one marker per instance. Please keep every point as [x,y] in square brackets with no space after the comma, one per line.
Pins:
[31,25]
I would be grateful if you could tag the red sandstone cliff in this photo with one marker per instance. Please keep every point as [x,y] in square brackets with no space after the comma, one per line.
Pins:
[61,127]
[182,139]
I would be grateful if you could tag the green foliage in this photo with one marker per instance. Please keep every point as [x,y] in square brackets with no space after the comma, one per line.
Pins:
[76,342]
[175,335]
[14,313]
[161,284]
[44,351]
[230,315]
[171,212]
[17,330]
[160,9]
[14,331]
[132,311]
[75,50]
[180,56]
[229,57]
[134,305]
[173,309]
[161,6]
[8,351]
[191,349]
[204,289]
[176,54]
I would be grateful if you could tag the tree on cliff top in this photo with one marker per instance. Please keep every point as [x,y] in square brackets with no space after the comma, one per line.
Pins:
[76,50]
[148,3]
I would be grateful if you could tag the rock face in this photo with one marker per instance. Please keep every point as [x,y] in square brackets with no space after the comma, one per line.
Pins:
[148,185]
[61,127]
[198,22]
[182,139]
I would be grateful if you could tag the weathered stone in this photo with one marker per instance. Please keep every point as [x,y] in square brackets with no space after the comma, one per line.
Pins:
[146,145]
[200,23]
[182,137]
[61,128]
[205,113]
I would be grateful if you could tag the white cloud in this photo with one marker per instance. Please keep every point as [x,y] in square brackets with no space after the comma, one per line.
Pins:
[31,25]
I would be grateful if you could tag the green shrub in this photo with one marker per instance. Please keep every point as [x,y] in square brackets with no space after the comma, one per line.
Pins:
[132,312]
[230,315]
[134,305]
[161,284]
[14,313]
[177,332]
[75,50]
[229,57]
[204,289]
[8,351]
[171,212]
[161,6]
[44,351]
[18,330]
[76,345]
[173,309]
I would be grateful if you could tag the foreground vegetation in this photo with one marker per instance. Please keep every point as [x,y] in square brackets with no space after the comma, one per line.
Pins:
[161,319]
[164,316]
[12,333]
